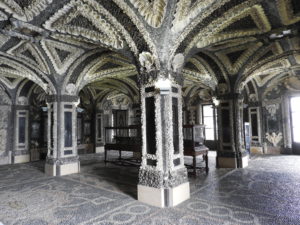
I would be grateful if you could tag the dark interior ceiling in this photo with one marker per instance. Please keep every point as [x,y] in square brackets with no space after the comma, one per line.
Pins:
[224,42]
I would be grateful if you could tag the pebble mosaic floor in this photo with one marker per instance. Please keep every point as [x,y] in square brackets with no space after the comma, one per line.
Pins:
[267,192]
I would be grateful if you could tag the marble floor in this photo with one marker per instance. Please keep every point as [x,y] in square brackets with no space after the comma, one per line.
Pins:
[267,192]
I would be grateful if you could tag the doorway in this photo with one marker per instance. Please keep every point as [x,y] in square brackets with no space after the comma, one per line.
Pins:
[295,112]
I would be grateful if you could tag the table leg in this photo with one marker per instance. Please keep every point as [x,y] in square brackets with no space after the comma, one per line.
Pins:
[194,165]
[206,163]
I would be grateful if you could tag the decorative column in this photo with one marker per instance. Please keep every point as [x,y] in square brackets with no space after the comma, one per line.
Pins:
[231,152]
[287,129]
[163,180]
[62,157]
[21,137]
[242,154]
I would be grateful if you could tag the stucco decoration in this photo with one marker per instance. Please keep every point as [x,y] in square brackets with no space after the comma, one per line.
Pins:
[106,105]
[205,95]
[147,61]
[178,62]
[274,138]
[263,54]
[12,69]
[88,19]
[272,109]
[223,89]
[234,58]
[253,98]
[4,116]
[119,100]
[3,39]
[71,89]
[4,98]
[105,67]
[24,12]
[3,16]
[187,10]
[152,11]
[61,55]
[197,70]
[216,31]
[292,83]
[22,100]
[5,109]
[30,53]
[286,12]
[3,138]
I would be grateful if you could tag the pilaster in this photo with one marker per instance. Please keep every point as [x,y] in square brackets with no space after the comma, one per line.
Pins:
[163,178]
[21,134]
[62,158]
[231,152]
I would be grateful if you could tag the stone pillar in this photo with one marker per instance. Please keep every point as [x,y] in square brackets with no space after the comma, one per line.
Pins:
[62,157]
[287,128]
[21,134]
[231,152]
[242,154]
[254,112]
[163,180]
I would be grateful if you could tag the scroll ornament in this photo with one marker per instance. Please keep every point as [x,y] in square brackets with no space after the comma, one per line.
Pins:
[274,138]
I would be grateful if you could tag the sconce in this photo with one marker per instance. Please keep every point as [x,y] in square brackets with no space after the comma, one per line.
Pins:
[216,101]
[80,110]
[164,85]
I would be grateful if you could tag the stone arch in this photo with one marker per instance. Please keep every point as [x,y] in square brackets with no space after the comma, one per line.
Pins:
[13,69]
[272,66]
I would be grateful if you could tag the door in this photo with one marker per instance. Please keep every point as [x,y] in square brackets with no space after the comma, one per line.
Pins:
[295,111]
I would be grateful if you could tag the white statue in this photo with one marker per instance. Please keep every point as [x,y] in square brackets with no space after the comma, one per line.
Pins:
[147,61]
[274,138]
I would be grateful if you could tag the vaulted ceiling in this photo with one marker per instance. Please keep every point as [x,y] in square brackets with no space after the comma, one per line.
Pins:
[66,45]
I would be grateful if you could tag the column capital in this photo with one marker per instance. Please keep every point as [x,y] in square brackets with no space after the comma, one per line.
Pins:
[148,78]
[62,98]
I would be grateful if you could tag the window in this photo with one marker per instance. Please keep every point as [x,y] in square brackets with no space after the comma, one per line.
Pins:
[295,108]
[209,116]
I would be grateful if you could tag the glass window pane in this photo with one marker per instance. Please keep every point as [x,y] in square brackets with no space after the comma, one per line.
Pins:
[68,129]
[295,104]
[296,133]
[296,119]
[209,122]
[209,134]
[22,129]
[207,110]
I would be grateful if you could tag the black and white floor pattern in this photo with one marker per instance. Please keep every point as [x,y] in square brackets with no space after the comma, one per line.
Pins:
[267,192]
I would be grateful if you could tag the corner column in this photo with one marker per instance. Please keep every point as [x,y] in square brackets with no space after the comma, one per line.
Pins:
[231,152]
[62,158]
[21,137]
[163,180]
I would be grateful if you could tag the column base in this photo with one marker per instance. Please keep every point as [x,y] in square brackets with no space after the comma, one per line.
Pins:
[256,150]
[161,197]
[227,162]
[100,149]
[54,169]
[21,158]
[244,161]
[287,151]
[231,161]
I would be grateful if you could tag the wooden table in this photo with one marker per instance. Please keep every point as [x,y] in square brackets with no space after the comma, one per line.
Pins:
[196,151]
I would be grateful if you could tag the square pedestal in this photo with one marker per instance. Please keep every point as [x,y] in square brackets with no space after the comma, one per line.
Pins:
[227,162]
[21,159]
[61,170]
[161,197]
